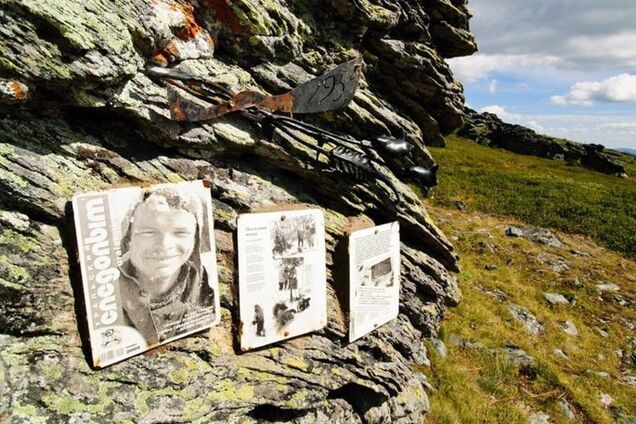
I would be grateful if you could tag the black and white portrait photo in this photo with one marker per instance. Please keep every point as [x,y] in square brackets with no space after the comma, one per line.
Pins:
[158,243]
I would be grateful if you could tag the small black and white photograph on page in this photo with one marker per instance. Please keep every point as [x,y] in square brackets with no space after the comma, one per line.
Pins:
[148,264]
[292,235]
[374,278]
[282,275]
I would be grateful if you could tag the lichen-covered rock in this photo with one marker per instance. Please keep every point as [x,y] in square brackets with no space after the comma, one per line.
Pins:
[94,120]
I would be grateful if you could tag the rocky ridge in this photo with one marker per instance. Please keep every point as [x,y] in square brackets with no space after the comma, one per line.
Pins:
[80,114]
[486,128]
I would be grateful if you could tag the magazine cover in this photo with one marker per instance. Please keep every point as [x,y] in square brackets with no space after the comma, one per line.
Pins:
[282,276]
[148,266]
[374,278]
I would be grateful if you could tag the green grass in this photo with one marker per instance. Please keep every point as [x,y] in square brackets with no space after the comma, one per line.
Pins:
[478,385]
[539,191]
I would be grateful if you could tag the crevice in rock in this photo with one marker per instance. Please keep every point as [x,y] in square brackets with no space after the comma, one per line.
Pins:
[360,397]
[272,413]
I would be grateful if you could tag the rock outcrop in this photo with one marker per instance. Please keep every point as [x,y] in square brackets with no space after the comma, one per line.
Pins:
[486,128]
[79,113]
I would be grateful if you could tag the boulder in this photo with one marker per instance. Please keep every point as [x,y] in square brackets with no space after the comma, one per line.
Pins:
[78,113]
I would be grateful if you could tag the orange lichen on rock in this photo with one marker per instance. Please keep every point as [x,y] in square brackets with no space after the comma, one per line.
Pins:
[191,40]
[225,14]
[18,92]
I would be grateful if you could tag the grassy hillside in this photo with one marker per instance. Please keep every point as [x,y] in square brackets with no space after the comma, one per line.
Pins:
[495,369]
[539,191]
[596,370]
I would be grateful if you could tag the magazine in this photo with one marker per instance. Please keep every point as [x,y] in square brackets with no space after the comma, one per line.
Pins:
[282,275]
[374,278]
[148,265]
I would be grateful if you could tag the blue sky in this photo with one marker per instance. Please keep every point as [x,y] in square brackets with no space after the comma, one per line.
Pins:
[565,68]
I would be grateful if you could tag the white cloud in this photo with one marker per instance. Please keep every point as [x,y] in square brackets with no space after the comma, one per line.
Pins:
[501,112]
[492,87]
[472,68]
[583,33]
[620,88]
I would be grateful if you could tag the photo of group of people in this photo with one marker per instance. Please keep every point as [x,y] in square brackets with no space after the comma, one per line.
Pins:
[293,235]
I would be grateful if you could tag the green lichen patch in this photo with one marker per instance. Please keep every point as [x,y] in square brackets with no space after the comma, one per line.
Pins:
[231,391]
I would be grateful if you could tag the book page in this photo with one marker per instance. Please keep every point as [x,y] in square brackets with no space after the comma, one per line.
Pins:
[374,278]
[282,275]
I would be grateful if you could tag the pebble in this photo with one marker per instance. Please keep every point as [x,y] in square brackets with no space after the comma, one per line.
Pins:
[606,400]
[569,328]
[567,411]
[607,287]
[539,418]
[514,232]
[556,299]
[439,347]
[524,316]
[560,353]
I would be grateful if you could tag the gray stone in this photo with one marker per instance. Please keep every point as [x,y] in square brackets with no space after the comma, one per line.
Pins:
[560,353]
[554,262]
[514,232]
[543,236]
[460,205]
[603,333]
[539,418]
[525,317]
[567,410]
[609,287]
[462,342]
[569,328]
[439,347]
[631,380]
[556,299]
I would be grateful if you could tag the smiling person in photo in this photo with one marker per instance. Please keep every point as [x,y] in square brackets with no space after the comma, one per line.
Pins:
[163,282]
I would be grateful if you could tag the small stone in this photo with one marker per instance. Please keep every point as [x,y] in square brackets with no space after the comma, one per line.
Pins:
[514,232]
[631,380]
[607,287]
[556,299]
[567,411]
[490,267]
[439,347]
[569,328]
[460,205]
[602,333]
[554,262]
[524,316]
[619,353]
[539,418]
[543,236]
[560,353]
[462,342]
[454,238]
[579,253]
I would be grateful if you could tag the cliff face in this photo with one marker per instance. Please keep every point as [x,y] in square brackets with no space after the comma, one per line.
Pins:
[79,113]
